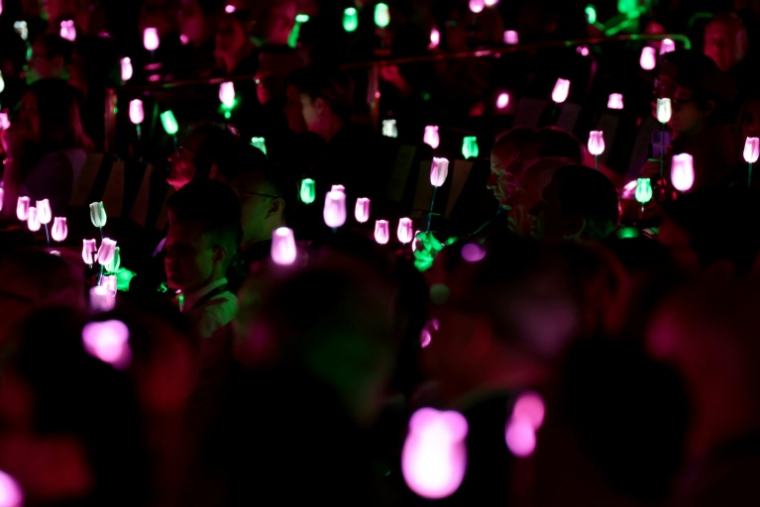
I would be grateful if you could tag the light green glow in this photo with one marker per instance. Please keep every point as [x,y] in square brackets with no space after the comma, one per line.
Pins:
[628,233]
[350,19]
[470,147]
[302,18]
[260,143]
[227,111]
[308,191]
[643,190]
[591,14]
[113,266]
[633,8]
[382,15]
[169,123]
[123,279]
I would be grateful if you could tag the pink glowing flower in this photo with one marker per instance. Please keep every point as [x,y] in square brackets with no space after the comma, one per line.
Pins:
[473,252]
[283,249]
[67,30]
[229,9]
[22,208]
[335,209]
[136,111]
[530,407]
[405,231]
[101,299]
[491,3]
[108,341]
[751,149]
[502,100]
[338,188]
[109,282]
[33,220]
[5,122]
[89,248]
[648,60]
[615,101]
[667,46]
[227,94]
[382,232]
[150,39]
[561,90]
[60,229]
[361,211]
[582,50]
[520,437]
[432,138]
[11,494]
[596,142]
[511,37]
[682,172]
[44,213]
[439,171]
[477,6]
[434,457]
[126,69]
[426,336]
[106,251]
[435,38]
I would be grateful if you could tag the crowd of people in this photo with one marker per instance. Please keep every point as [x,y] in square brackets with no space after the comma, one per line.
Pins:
[268,252]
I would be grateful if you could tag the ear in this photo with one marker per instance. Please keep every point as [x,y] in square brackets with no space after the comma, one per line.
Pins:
[320,105]
[277,206]
[710,107]
[220,254]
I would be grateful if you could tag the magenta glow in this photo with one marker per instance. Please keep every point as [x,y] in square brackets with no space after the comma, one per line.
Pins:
[22,208]
[682,172]
[434,457]
[361,211]
[426,336]
[382,232]
[435,38]
[108,341]
[89,248]
[227,94]
[229,9]
[648,60]
[110,283]
[561,90]
[338,188]
[60,230]
[432,138]
[439,171]
[283,250]
[106,251]
[615,101]
[44,213]
[33,220]
[473,252]
[405,231]
[596,142]
[11,494]
[101,299]
[126,68]
[136,111]
[582,50]
[530,407]
[477,6]
[502,100]
[511,37]
[150,38]
[520,437]
[667,46]
[67,30]
[751,149]
[5,122]
[335,209]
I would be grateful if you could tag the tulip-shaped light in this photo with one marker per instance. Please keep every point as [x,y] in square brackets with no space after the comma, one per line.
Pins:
[136,111]
[682,172]
[11,494]
[434,456]
[643,190]
[283,250]
[101,299]
[98,215]
[439,170]
[382,15]
[33,220]
[435,38]
[308,191]
[111,283]
[667,46]
[432,138]
[382,232]
[67,30]
[60,229]
[227,94]
[361,211]
[561,90]
[150,38]
[44,213]
[664,110]
[596,142]
[502,100]
[527,417]
[22,208]
[470,147]
[511,37]
[751,149]
[5,122]
[350,19]
[334,212]
[112,265]
[477,6]
[89,251]
[108,341]
[389,128]
[405,231]
[648,60]
[615,101]
[169,122]
[106,251]
[260,143]
[126,69]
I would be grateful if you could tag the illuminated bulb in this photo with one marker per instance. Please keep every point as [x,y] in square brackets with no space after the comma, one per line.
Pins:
[382,15]
[434,456]
[426,336]
[382,232]
[136,111]
[150,39]
[582,50]
[60,229]
[596,142]
[126,69]
[648,60]
[2,82]
[227,94]
[68,31]
[361,211]
[114,262]
[473,252]
[169,122]
[470,147]
[511,37]
[502,100]
[22,208]
[615,101]
[477,6]
[530,407]
[334,212]
[350,19]
[308,192]
[682,172]
[491,3]
[561,90]
[283,249]
[432,138]
[101,299]
[21,29]
[184,39]
[108,341]
[11,494]
[389,128]
[435,38]
[33,220]
[89,249]
[44,213]
[229,9]
[260,143]
[111,283]
[5,122]
[664,110]
[98,215]
[405,231]
[439,170]
[643,190]
[667,46]
[751,149]
[527,417]
[2,197]
[106,251]
[338,188]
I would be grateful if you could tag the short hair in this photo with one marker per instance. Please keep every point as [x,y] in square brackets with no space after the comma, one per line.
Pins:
[215,206]
[251,161]
[328,83]
[555,142]
[586,192]
[218,148]
[56,46]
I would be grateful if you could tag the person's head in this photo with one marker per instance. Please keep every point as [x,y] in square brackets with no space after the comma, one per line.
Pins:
[263,196]
[578,203]
[50,58]
[505,161]
[325,96]
[195,19]
[272,22]
[748,120]
[204,234]
[275,63]
[726,40]
[205,153]
[49,114]
[54,11]
[529,187]
[232,44]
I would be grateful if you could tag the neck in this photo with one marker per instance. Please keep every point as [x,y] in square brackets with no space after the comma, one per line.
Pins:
[331,127]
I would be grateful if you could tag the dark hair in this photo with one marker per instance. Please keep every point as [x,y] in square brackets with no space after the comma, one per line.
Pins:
[56,46]
[58,111]
[590,194]
[218,148]
[328,83]
[215,206]
[555,142]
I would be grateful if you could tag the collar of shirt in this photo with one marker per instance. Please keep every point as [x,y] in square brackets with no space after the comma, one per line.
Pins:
[191,298]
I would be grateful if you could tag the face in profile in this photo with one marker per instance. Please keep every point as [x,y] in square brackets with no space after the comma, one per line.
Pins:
[688,117]
[292,110]
[190,257]
[182,161]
